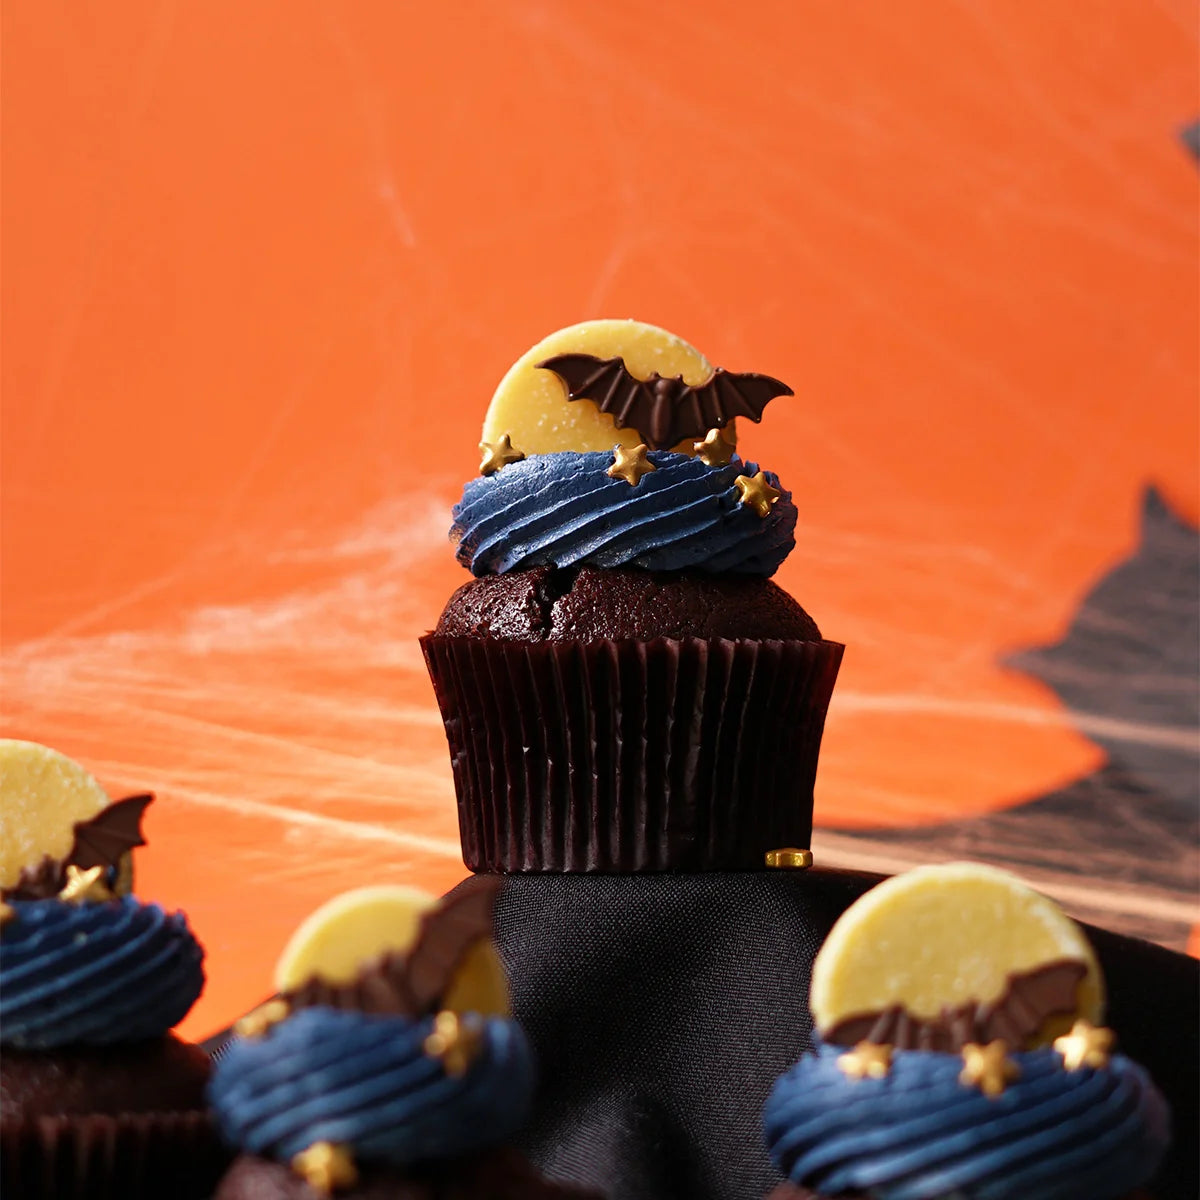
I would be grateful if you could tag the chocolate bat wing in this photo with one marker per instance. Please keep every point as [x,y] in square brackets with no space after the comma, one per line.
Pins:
[727,395]
[664,411]
[608,385]
[112,832]
[1031,998]
[447,933]
[381,987]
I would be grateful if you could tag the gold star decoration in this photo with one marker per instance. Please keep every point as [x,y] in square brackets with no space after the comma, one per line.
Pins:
[498,454]
[757,492]
[1087,1045]
[716,450]
[631,465]
[85,887]
[325,1166]
[7,913]
[256,1022]
[866,1060]
[988,1067]
[455,1040]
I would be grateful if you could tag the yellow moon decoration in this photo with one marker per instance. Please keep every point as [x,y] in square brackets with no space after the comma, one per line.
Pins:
[43,794]
[531,404]
[943,936]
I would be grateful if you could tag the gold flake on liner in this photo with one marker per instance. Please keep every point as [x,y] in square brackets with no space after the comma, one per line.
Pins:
[1087,1045]
[326,1166]
[715,450]
[630,465]
[85,887]
[498,454]
[757,492]
[866,1061]
[456,1041]
[256,1022]
[988,1067]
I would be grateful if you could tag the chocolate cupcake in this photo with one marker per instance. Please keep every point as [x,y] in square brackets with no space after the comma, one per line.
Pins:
[387,1066]
[960,1056]
[622,685]
[97,1097]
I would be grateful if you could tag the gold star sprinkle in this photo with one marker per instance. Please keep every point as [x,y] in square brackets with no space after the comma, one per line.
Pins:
[866,1060]
[1087,1045]
[630,465]
[325,1166]
[716,450]
[498,454]
[757,492]
[85,887]
[256,1022]
[455,1040]
[988,1067]
[7,913]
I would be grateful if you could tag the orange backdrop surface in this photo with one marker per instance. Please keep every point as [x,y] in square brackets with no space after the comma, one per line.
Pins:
[264,263]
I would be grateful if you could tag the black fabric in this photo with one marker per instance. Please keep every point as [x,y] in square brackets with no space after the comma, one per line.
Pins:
[662,1007]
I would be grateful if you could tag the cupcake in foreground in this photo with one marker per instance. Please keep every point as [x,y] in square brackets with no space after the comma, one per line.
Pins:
[97,1097]
[961,1055]
[388,1066]
[623,686]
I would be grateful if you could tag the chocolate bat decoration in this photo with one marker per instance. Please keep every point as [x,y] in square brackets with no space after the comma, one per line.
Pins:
[413,984]
[110,834]
[99,842]
[447,933]
[1015,1016]
[664,411]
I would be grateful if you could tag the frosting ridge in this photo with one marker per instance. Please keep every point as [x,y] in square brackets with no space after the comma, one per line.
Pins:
[563,509]
[1090,1134]
[366,1080]
[95,974]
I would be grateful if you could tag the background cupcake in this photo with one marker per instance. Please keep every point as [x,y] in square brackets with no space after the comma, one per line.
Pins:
[97,1097]
[960,1055]
[388,1066]
[622,685]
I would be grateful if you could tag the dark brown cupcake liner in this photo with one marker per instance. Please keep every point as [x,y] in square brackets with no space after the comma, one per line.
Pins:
[671,754]
[129,1156]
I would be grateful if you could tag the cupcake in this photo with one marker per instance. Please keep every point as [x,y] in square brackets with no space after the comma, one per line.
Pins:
[961,1054]
[622,685]
[97,1097]
[387,1065]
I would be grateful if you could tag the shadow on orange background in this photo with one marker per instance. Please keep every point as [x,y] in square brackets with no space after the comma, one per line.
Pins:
[264,264]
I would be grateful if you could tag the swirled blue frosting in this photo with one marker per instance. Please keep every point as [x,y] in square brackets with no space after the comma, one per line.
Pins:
[94,974]
[919,1133]
[563,510]
[330,1075]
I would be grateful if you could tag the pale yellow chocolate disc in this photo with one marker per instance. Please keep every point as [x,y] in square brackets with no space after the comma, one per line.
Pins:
[345,934]
[42,795]
[943,936]
[531,404]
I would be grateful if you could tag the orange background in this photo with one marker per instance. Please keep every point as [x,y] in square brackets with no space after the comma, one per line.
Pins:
[264,263]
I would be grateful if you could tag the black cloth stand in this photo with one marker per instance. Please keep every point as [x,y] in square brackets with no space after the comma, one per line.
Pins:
[662,1008]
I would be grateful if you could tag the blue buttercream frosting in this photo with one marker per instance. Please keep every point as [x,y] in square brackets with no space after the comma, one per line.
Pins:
[563,510]
[364,1079]
[918,1133]
[94,974]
